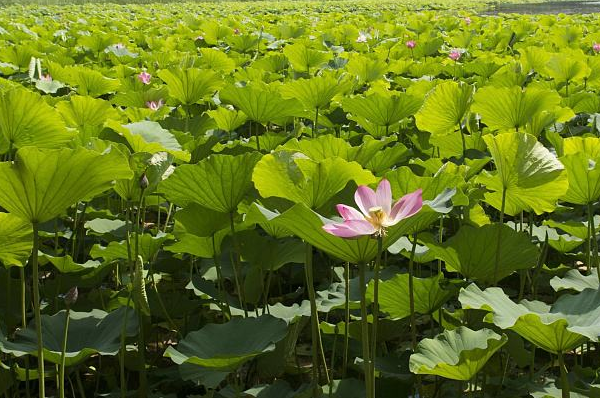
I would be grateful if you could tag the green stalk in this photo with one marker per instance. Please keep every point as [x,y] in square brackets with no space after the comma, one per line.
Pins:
[24,325]
[221,280]
[346,319]
[37,311]
[375,309]
[364,321]
[314,129]
[123,351]
[143,378]
[592,239]
[237,265]
[61,378]
[499,241]
[411,294]
[564,382]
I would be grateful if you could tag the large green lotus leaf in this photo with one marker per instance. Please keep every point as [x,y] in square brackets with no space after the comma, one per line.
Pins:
[190,85]
[219,182]
[322,147]
[45,182]
[300,180]
[557,328]
[227,346]
[404,181]
[90,333]
[15,240]
[473,252]
[260,105]
[201,221]
[26,119]
[148,247]
[313,93]
[308,225]
[584,178]
[565,68]
[574,280]
[534,179]
[257,214]
[383,109]
[270,254]
[89,81]
[367,69]
[456,354]
[87,114]
[429,295]
[66,265]
[444,108]
[304,59]
[504,108]
[199,246]
[226,119]
[588,146]
[150,137]
[216,59]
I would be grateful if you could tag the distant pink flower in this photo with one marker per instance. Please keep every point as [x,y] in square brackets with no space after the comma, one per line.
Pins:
[46,78]
[144,77]
[200,37]
[596,47]
[376,211]
[155,105]
[467,20]
[411,44]
[236,31]
[454,55]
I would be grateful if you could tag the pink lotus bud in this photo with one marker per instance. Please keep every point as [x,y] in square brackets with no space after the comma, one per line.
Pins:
[144,77]
[71,296]
[46,78]
[467,20]
[454,55]
[411,44]
[155,105]
[596,47]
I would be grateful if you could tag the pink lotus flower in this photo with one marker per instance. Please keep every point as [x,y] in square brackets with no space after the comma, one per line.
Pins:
[144,77]
[454,55]
[376,211]
[596,47]
[46,78]
[467,20]
[155,105]
[411,44]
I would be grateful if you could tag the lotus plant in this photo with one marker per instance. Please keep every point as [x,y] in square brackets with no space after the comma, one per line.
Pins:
[377,212]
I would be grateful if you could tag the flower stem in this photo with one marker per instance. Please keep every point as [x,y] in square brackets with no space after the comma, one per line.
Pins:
[61,378]
[37,311]
[564,382]
[237,265]
[346,318]
[411,294]
[499,240]
[375,309]
[364,321]
[592,241]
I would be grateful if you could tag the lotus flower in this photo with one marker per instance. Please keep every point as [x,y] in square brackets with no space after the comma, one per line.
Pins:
[362,38]
[596,47]
[454,55]
[411,44]
[155,105]
[377,213]
[236,31]
[46,78]
[467,20]
[144,77]
[200,38]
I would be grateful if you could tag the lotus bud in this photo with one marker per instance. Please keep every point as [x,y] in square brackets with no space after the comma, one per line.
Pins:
[71,296]
[144,181]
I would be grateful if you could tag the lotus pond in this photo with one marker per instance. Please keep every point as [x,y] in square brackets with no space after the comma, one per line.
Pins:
[298,200]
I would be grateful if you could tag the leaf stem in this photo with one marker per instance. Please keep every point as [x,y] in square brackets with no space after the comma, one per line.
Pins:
[37,311]
[346,318]
[499,240]
[237,265]
[564,382]
[63,358]
[375,309]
